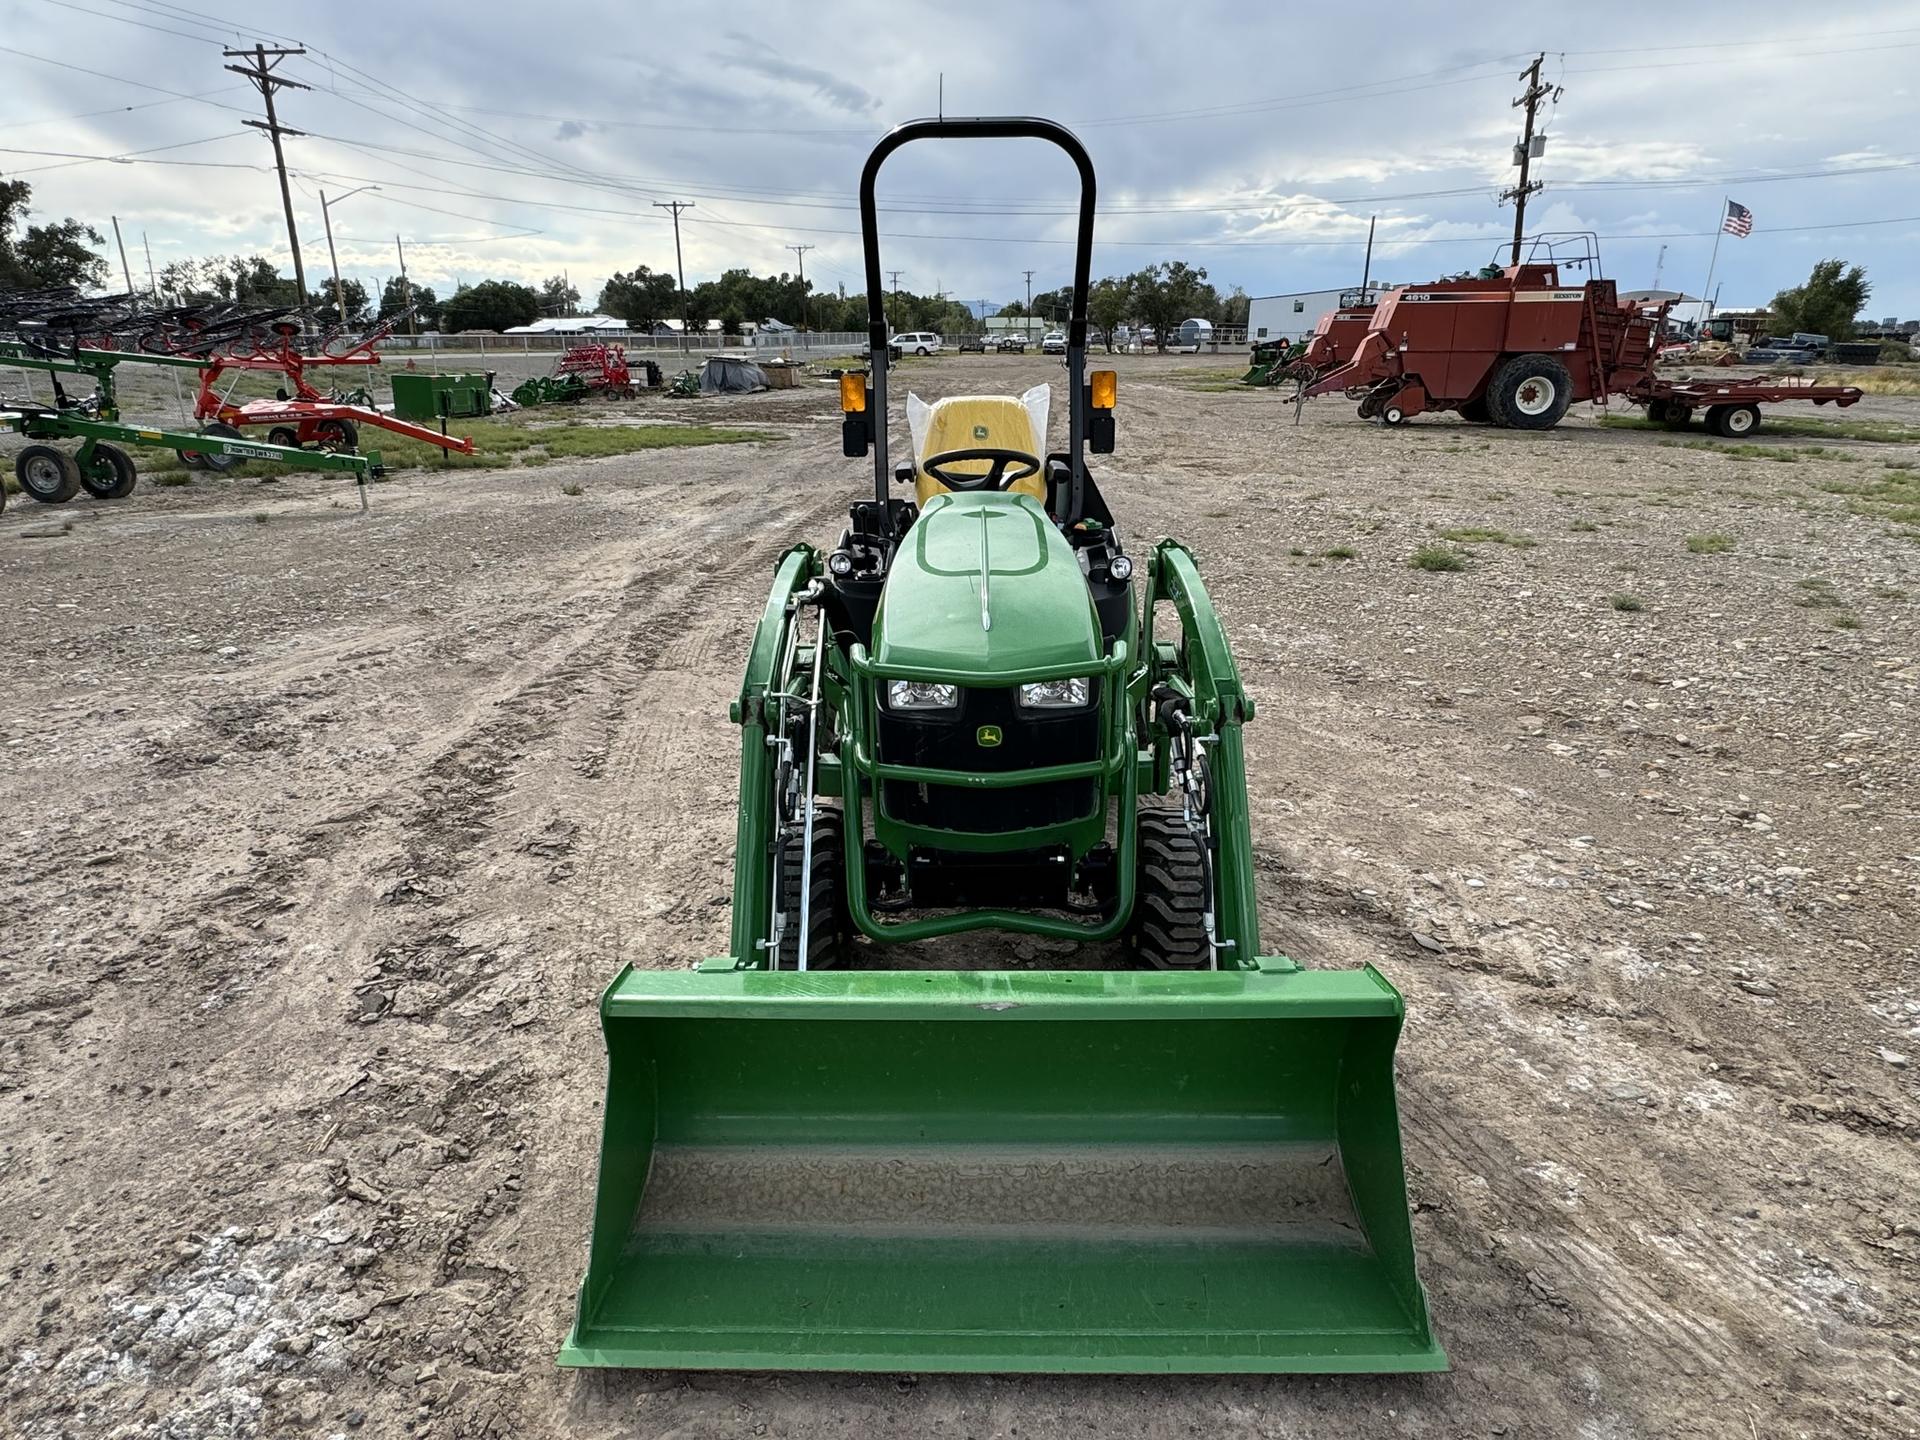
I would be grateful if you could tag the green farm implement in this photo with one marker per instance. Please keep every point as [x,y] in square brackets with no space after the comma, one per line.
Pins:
[102,464]
[845,1146]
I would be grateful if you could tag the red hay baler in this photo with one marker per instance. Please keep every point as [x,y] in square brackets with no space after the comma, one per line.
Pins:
[1514,346]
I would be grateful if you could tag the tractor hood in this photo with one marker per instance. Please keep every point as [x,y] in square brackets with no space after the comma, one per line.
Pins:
[985,584]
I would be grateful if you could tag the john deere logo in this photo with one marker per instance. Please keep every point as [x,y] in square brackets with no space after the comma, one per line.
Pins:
[980,433]
[988,735]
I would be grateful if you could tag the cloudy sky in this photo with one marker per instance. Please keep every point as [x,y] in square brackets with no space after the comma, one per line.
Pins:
[519,140]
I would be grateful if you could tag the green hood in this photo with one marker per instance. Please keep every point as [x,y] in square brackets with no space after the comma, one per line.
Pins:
[985,584]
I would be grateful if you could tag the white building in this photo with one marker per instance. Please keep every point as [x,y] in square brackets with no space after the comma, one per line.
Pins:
[1293,317]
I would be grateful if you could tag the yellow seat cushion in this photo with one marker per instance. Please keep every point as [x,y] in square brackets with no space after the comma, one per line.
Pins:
[972,422]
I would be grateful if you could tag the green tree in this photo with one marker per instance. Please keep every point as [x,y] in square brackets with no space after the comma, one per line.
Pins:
[641,297]
[1234,308]
[45,257]
[557,296]
[1107,305]
[359,307]
[1826,304]
[398,293]
[490,305]
[252,280]
[1014,309]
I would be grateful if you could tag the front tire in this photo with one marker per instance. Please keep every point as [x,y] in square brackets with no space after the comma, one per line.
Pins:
[1170,894]
[117,475]
[46,474]
[219,461]
[827,918]
[1529,392]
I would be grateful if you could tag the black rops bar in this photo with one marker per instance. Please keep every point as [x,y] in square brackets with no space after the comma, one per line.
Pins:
[991,127]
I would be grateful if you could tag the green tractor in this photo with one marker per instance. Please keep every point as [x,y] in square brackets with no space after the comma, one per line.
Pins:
[980,713]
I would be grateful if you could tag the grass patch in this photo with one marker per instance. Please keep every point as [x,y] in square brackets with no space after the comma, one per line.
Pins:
[571,488]
[1776,421]
[1892,495]
[1816,593]
[1342,552]
[1846,622]
[1583,527]
[1711,544]
[499,445]
[1481,534]
[1627,604]
[1439,558]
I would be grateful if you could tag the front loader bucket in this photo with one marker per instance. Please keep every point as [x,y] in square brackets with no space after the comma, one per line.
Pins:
[992,1171]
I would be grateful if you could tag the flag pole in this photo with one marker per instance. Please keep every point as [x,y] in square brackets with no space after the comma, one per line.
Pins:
[1712,264]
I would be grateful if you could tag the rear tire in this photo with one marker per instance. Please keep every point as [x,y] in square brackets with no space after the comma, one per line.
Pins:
[1529,392]
[218,461]
[1677,416]
[1169,899]
[1734,422]
[285,436]
[1474,412]
[46,474]
[121,476]
[827,917]
[342,437]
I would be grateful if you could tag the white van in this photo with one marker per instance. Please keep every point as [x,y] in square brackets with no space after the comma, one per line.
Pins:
[918,342]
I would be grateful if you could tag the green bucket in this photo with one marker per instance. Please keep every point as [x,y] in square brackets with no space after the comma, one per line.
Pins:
[994,1171]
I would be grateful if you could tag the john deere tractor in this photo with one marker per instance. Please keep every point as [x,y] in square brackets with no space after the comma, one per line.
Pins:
[980,712]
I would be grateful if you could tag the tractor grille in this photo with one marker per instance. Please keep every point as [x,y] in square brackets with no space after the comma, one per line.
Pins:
[1028,741]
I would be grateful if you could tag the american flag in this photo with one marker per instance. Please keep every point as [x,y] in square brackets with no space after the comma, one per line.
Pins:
[1739,220]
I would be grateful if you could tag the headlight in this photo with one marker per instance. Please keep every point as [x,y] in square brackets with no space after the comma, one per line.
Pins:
[1120,568]
[1055,694]
[840,563]
[921,695]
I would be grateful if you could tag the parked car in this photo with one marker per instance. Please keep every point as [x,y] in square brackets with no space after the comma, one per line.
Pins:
[1011,344]
[919,342]
[1053,343]
[975,343]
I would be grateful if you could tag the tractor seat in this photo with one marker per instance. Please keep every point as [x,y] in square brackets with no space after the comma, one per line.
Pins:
[968,422]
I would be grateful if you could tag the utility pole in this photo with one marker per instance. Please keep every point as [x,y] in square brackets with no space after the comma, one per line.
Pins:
[679,265]
[806,310]
[406,285]
[1366,272]
[153,285]
[260,72]
[1523,152]
[1659,264]
[123,253]
[1028,327]
[894,276]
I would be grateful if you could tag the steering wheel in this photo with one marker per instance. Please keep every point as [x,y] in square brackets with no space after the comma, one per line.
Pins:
[1008,466]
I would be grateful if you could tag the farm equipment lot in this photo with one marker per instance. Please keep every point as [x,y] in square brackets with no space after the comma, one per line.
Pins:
[329,831]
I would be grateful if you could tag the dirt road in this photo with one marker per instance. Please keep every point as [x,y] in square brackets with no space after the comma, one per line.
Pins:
[327,831]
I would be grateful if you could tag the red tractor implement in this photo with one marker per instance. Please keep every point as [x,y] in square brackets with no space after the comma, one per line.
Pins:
[1516,346]
[306,417]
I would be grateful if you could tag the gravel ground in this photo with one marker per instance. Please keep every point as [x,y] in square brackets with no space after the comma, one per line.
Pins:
[328,829]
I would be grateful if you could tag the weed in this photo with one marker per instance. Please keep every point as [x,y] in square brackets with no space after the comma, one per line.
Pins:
[170,477]
[1711,544]
[1296,551]
[1583,527]
[573,488]
[1438,557]
[260,517]
[1471,534]
[1888,592]
[1894,495]
[1627,604]
[1342,552]
[1846,622]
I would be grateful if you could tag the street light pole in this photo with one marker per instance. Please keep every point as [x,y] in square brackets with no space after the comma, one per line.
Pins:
[326,219]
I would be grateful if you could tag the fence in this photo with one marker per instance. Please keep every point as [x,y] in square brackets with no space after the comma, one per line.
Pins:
[487,344]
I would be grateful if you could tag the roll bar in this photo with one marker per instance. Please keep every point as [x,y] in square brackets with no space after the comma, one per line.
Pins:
[990,127]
